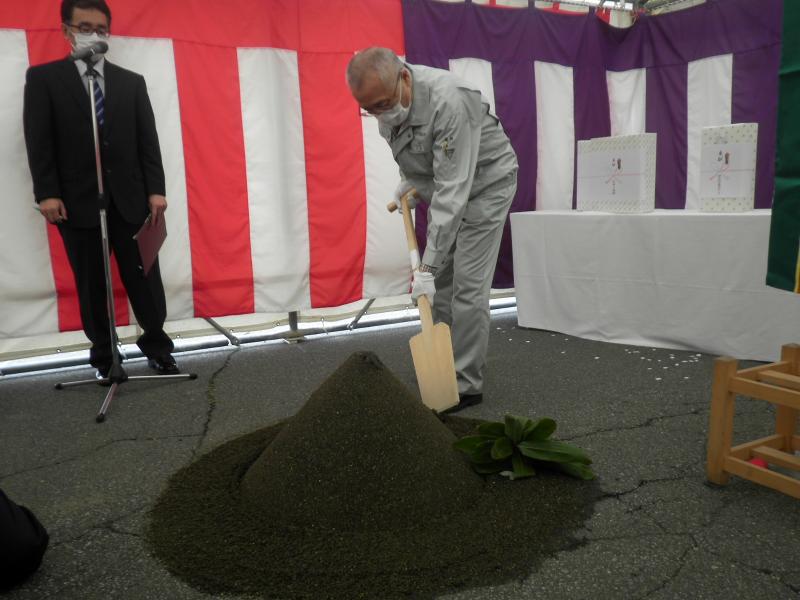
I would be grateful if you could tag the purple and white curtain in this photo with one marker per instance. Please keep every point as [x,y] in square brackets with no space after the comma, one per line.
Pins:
[554,79]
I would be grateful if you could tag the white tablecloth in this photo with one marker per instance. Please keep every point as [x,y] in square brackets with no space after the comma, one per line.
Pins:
[669,279]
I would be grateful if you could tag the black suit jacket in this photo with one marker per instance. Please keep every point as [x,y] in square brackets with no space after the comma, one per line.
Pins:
[58,136]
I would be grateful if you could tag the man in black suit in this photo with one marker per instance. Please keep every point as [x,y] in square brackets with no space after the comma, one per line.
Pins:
[58,136]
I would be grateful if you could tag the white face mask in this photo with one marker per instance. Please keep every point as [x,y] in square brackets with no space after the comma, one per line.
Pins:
[395,115]
[84,40]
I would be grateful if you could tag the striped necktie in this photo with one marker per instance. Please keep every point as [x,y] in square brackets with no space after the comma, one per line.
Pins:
[99,102]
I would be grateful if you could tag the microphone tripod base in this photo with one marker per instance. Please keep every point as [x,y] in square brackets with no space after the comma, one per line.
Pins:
[116,377]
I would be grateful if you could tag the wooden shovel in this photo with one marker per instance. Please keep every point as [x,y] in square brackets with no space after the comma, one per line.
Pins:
[432,350]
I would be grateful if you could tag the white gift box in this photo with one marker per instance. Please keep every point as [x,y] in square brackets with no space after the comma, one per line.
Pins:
[728,167]
[617,174]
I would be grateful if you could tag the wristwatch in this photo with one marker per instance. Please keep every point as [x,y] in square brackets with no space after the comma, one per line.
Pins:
[423,268]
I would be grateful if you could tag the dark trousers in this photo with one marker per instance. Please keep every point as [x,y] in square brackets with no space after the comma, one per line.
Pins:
[23,541]
[85,251]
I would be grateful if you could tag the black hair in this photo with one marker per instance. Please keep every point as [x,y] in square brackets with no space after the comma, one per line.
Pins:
[67,6]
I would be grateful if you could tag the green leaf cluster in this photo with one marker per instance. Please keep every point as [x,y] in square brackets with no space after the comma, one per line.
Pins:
[516,447]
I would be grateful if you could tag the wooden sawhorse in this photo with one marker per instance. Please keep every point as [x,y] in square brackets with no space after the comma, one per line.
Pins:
[777,383]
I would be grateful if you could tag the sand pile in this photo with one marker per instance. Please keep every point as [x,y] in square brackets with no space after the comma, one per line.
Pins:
[362,454]
[360,495]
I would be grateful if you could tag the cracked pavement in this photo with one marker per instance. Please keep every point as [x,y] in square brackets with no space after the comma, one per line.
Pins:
[658,532]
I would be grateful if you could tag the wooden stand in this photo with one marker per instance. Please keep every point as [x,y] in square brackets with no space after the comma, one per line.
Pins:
[778,383]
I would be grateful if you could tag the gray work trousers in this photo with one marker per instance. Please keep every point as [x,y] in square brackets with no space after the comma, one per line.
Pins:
[464,283]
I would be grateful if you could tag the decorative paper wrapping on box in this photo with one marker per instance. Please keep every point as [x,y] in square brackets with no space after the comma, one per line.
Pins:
[617,174]
[728,167]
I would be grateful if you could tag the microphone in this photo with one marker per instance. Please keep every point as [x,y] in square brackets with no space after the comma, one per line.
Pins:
[84,53]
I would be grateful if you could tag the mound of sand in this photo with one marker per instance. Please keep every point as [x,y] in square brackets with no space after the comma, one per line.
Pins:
[362,453]
[360,495]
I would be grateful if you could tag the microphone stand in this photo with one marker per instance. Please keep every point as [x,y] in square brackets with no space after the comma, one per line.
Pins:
[116,374]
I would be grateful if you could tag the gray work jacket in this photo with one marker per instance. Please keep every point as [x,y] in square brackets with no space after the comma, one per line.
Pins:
[451,148]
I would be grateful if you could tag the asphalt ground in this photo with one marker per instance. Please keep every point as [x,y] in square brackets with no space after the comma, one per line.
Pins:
[658,530]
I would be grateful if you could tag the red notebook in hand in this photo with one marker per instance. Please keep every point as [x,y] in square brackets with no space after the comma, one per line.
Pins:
[150,238]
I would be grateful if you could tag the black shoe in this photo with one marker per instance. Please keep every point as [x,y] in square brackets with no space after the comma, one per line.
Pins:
[164,365]
[102,376]
[464,400]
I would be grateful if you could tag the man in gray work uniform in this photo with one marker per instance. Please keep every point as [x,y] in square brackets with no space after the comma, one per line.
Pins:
[454,152]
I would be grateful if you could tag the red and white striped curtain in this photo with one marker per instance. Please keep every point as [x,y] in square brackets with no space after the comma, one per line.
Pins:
[277,187]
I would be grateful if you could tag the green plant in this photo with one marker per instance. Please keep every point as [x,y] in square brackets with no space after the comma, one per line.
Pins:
[515,447]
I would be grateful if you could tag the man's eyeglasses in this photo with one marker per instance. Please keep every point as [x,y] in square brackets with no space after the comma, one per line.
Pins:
[384,105]
[88,29]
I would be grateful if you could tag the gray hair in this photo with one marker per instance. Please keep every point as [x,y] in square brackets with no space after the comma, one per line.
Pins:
[382,61]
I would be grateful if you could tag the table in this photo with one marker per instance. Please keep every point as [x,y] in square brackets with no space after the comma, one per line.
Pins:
[674,279]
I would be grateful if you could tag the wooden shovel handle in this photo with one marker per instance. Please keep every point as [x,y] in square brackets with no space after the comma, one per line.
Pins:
[423,304]
[411,236]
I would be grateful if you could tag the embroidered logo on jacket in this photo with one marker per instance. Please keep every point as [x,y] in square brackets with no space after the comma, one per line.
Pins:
[447,147]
